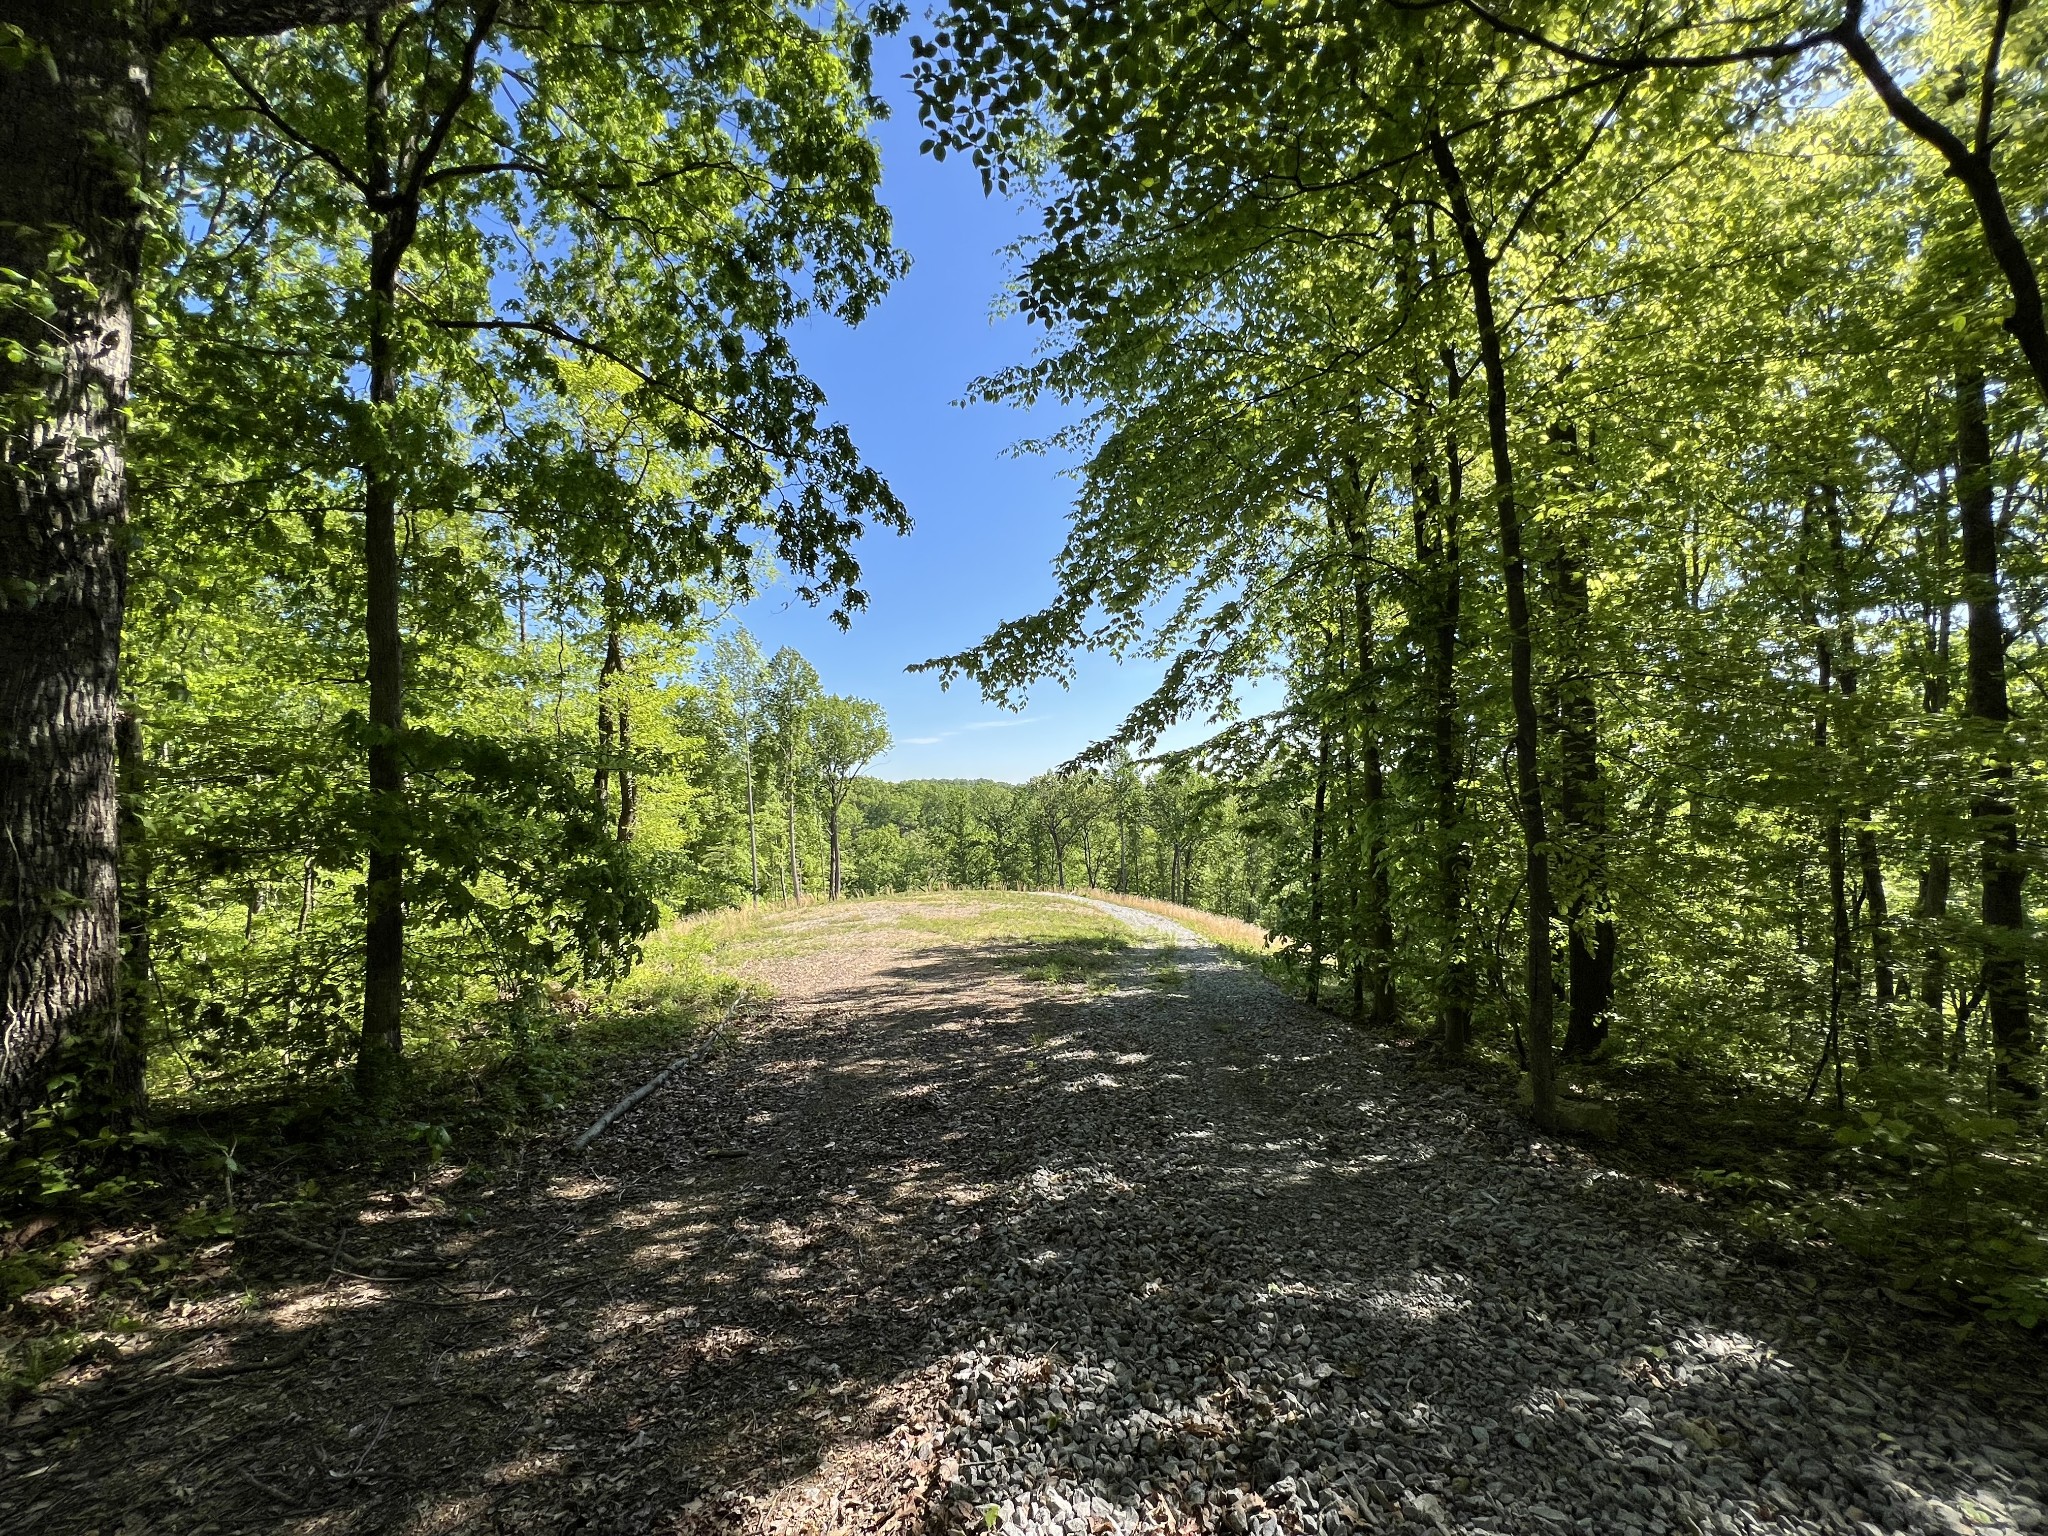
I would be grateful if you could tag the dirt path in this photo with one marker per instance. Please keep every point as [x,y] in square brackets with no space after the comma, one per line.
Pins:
[934,1247]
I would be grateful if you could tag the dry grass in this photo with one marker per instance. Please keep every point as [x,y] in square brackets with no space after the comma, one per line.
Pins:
[1234,935]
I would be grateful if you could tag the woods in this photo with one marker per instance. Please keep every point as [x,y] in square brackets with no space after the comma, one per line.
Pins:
[1610,439]
[1623,433]
[1506,995]
[456,374]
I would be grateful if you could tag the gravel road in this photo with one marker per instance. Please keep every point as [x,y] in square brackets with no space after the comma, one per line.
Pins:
[1260,1279]
[937,1248]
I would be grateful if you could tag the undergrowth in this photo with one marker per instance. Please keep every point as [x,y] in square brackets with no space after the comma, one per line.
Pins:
[211,1166]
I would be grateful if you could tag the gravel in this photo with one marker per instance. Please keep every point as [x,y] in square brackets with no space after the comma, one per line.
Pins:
[1269,1282]
[935,1248]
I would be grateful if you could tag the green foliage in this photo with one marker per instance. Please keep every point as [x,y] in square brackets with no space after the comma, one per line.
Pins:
[1580,446]
[1946,1195]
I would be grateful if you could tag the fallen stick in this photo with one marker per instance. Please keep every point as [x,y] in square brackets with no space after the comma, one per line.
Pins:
[618,1109]
[696,1054]
[106,1399]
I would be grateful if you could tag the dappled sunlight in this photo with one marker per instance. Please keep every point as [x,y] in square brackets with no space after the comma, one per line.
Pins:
[865,1267]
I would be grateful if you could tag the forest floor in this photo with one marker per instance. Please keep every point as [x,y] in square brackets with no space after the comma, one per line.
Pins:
[1005,1215]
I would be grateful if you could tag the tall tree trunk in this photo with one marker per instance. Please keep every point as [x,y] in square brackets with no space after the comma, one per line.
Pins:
[1376,898]
[796,873]
[1876,908]
[72,169]
[1844,986]
[629,783]
[1315,866]
[1437,552]
[2004,908]
[394,221]
[1937,879]
[607,719]
[753,846]
[1582,812]
[1521,643]
[832,830]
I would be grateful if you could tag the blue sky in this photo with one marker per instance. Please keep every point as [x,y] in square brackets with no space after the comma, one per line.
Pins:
[988,523]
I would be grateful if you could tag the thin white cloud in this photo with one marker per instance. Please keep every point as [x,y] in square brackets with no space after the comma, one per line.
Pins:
[972,725]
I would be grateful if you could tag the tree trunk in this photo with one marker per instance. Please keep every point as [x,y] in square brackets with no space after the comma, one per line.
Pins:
[796,873]
[1521,643]
[1315,867]
[1582,811]
[1376,898]
[832,830]
[393,223]
[1936,881]
[1437,552]
[753,846]
[1876,908]
[72,149]
[607,720]
[629,783]
[2004,909]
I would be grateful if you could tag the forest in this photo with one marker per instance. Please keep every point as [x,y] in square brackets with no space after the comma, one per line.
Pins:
[1615,431]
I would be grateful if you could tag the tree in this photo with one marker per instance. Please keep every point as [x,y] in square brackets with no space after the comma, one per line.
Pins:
[844,735]
[790,694]
[74,212]
[647,387]
[738,673]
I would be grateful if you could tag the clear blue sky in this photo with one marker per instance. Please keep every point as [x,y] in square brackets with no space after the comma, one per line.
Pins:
[987,524]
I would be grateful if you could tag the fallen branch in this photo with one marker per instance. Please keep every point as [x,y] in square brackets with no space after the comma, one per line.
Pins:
[339,1258]
[689,1058]
[604,1120]
[110,1398]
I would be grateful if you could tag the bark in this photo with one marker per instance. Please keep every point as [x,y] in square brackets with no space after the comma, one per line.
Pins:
[1376,925]
[1937,879]
[629,783]
[1438,554]
[394,221]
[1521,643]
[608,673]
[1582,809]
[1315,867]
[72,142]
[832,834]
[2003,910]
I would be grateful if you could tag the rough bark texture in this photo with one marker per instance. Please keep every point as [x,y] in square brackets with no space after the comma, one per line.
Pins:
[1937,879]
[2004,908]
[1315,868]
[1582,810]
[1540,986]
[72,138]
[394,220]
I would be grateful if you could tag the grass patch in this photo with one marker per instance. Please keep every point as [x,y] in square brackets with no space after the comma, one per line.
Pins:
[1045,939]
[1245,942]
[1074,960]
